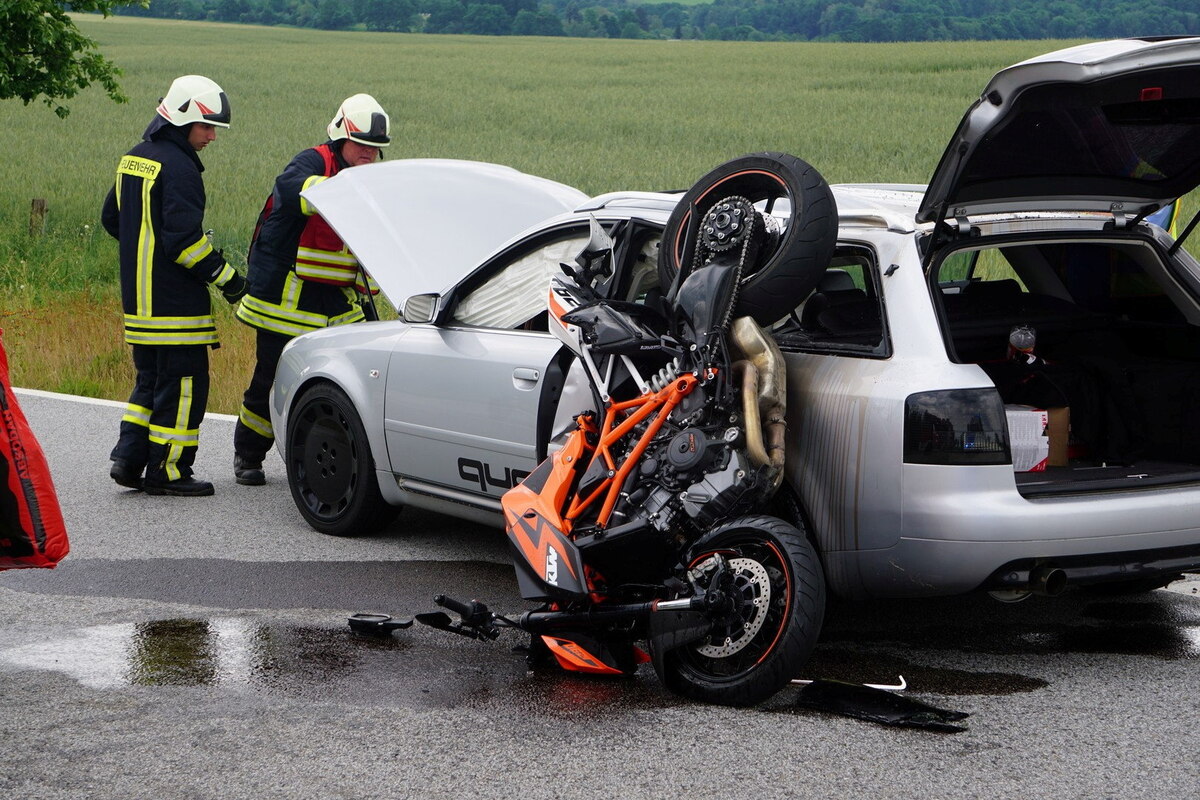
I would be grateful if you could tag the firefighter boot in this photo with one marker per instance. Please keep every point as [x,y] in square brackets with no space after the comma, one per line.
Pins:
[181,487]
[126,474]
[247,472]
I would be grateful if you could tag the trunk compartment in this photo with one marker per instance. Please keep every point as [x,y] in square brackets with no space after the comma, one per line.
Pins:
[1114,345]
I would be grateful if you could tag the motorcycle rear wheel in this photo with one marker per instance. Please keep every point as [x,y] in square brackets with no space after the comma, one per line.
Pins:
[790,273]
[754,652]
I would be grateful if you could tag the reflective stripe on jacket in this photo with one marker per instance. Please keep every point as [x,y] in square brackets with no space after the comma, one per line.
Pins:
[322,256]
[155,210]
[301,273]
[288,318]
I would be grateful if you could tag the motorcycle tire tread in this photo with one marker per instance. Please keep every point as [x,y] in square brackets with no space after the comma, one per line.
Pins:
[801,257]
[800,632]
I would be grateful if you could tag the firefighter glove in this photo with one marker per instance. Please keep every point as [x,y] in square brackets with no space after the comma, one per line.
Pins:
[234,288]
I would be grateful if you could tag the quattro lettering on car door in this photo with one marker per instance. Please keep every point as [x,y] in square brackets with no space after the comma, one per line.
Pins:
[483,474]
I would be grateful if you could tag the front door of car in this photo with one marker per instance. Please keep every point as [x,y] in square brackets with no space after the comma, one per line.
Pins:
[470,399]
[462,405]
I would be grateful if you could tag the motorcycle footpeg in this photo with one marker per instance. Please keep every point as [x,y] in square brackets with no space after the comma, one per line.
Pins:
[377,624]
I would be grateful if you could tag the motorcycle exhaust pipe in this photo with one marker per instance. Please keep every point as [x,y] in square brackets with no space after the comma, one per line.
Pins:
[747,376]
[762,376]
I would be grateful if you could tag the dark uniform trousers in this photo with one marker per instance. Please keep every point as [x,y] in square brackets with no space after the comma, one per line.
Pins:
[301,279]
[253,435]
[173,381]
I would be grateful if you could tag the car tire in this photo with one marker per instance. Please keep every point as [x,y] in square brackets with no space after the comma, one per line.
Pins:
[330,469]
[804,250]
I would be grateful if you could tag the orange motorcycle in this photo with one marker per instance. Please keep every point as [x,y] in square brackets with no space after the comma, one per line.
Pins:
[645,537]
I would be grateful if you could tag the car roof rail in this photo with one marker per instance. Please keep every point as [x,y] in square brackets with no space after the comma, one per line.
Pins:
[664,201]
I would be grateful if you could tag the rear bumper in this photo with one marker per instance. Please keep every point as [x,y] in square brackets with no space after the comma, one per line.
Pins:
[967,529]
[1137,565]
[925,568]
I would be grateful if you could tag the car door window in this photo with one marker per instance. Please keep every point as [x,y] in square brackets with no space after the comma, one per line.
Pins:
[514,296]
[643,271]
[844,313]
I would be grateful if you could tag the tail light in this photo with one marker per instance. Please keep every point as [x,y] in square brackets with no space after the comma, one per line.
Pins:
[958,426]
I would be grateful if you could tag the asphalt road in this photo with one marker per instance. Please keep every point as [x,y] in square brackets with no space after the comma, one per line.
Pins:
[197,648]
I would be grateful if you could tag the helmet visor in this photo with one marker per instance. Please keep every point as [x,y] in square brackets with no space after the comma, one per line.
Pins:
[376,136]
[219,116]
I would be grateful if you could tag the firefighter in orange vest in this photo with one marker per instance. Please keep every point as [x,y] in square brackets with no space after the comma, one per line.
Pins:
[155,210]
[302,277]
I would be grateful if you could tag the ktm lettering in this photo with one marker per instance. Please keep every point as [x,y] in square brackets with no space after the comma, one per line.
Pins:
[480,472]
[552,567]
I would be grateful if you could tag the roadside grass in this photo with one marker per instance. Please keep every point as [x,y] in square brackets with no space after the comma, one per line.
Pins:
[597,114]
[75,344]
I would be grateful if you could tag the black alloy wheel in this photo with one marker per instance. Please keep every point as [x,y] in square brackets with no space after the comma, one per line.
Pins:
[330,469]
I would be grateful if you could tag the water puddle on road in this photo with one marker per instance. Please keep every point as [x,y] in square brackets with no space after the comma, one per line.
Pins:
[331,663]
[197,652]
[327,663]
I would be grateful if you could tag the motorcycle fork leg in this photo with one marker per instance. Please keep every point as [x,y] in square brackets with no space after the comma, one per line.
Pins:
[537,653]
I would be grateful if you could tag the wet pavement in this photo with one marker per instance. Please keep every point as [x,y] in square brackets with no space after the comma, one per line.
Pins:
[329,660]
[184,652]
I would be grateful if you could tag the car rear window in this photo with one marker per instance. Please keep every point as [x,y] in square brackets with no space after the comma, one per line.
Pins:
[1137,130]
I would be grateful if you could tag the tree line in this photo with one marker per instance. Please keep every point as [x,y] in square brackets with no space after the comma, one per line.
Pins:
[750,20]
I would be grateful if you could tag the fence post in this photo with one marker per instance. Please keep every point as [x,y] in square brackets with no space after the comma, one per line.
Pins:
[37,216]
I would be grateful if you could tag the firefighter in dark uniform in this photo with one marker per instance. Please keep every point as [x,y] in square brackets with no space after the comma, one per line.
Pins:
[302,277]
[156,212]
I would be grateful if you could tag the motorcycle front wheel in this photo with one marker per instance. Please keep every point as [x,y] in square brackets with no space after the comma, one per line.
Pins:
[772,625]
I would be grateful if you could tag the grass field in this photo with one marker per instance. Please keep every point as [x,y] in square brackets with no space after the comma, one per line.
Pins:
[596,114]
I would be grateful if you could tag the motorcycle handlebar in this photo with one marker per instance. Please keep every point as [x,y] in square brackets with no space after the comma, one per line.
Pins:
[464,610]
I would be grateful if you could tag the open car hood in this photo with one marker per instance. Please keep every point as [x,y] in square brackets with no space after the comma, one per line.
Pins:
[420,225]
[1079,129]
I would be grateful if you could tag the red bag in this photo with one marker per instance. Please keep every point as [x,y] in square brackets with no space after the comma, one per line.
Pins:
[32,531]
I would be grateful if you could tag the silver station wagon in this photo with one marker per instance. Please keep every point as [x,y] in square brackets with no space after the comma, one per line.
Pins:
[994,387]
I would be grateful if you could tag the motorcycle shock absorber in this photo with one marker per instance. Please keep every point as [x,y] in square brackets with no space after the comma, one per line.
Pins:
[664,376]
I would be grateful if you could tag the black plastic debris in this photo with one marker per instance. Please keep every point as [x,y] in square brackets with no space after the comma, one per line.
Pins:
[876,705]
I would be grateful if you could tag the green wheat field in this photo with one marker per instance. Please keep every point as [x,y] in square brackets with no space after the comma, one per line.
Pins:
[596,114]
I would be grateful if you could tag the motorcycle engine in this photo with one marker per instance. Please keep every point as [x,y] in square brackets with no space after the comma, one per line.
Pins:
[695,476]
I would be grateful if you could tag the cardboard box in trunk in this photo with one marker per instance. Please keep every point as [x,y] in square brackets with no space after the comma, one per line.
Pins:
[1038,437]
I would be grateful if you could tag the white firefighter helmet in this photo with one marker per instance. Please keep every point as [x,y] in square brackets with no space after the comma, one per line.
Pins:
[360,118]
[195,98]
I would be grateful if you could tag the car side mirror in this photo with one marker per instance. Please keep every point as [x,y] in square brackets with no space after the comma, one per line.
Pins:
[420,308]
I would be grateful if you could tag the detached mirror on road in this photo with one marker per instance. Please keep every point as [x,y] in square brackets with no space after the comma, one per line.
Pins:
[420,308]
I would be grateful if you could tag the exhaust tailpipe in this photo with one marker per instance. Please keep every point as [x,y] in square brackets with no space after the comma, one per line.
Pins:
[1050,581]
